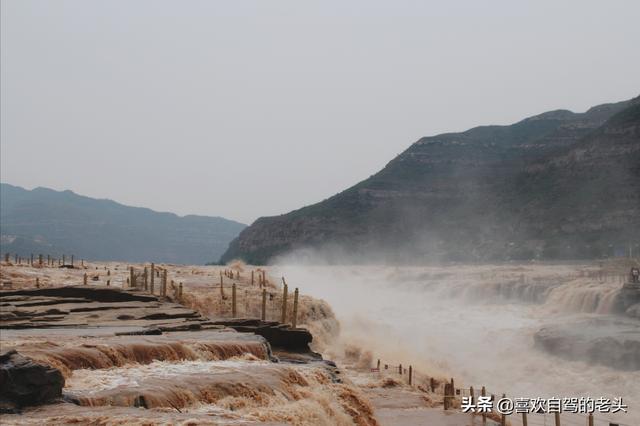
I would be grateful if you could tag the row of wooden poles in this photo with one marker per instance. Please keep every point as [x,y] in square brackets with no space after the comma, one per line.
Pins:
[147,283]
[262,281]
[451,392]
[40,260]
[148,279]
[132,280]
[262,277]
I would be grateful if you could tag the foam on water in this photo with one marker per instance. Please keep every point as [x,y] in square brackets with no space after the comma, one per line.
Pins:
[236,390]
[88,381]
[475,323]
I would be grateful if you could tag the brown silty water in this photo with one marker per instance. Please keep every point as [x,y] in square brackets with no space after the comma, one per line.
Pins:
[477,323]
[230,392]
[224,393]
[69,353]
[202,377]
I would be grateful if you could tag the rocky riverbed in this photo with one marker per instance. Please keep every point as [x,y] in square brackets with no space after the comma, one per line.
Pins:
[80,345]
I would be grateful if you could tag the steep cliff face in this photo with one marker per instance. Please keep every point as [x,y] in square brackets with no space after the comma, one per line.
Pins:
[559,184]
[585,198]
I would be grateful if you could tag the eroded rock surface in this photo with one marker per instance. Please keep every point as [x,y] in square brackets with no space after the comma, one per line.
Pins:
[88,306]
[280,336]
[24,382]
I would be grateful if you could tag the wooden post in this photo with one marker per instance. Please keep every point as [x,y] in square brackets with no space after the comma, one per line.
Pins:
[37,282]
[447,392]
[221,288]
[524,418]
[378,366]
[263,317]
[31,262]
[6,257]
[16,258]
[82,262]
[164,282]
[153,278]
[108,283]
[590,419]
[556,415]
[180,292]
[233,301]
[432,384]
[400,369]
[64,260]
[472,396]
[40,259]
[410,375]
[251,277]
[132,282]
[72,260]
[145,278]
[283,317]
[84,279]
[444,397]
[294,320]
[48,259]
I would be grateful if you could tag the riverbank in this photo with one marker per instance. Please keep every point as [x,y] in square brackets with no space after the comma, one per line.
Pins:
[180,357]
[476,323]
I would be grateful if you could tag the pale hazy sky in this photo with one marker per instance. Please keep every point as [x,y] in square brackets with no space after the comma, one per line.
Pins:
[250,108]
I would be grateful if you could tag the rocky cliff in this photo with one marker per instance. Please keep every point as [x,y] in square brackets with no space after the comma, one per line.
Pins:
[556,185]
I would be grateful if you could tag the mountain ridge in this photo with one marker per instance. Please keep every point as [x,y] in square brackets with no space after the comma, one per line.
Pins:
[444,197]
[43,220]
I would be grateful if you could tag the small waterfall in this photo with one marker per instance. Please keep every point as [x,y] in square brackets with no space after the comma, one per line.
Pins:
[90,356]
[559,292]
[584,295]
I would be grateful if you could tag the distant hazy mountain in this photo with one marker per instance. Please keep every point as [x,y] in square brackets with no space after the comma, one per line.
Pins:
[55,222]
[556,185]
